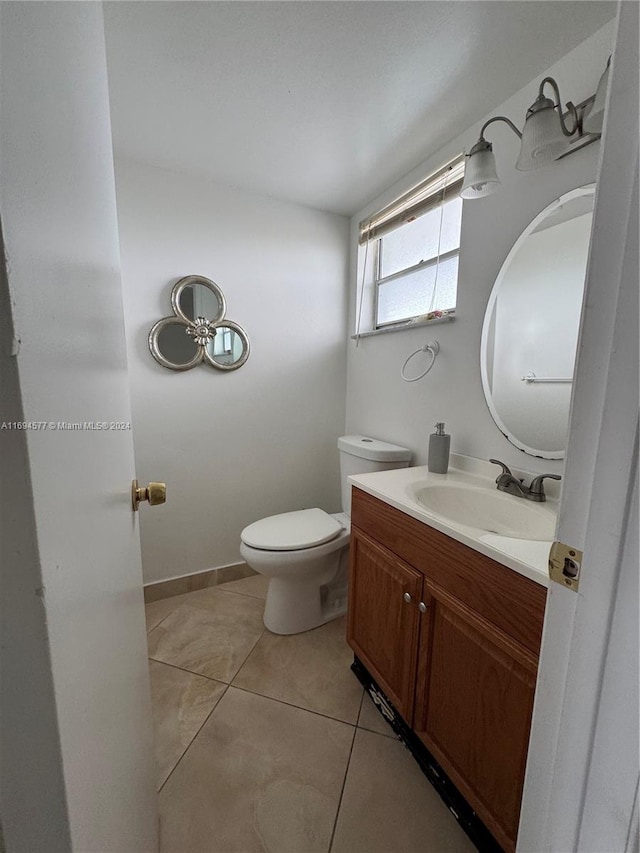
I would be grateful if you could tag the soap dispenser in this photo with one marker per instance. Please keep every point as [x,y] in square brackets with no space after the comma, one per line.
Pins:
[439,442]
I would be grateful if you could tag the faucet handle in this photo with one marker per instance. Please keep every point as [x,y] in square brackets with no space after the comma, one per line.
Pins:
[505,468]
[537,487]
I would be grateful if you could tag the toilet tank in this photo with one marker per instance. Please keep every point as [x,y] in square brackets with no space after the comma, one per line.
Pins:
[360,454]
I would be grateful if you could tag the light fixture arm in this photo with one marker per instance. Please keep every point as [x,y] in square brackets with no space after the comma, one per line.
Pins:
[505,120]
[570,106]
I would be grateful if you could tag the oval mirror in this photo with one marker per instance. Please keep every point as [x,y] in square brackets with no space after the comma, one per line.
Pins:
[530,329]
[172,346]
[196,296]
[228,348]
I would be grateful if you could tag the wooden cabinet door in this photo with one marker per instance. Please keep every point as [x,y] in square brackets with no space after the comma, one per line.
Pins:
[474,700]
[383,626]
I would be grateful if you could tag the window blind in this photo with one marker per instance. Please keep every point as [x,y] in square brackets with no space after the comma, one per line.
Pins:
[430,193]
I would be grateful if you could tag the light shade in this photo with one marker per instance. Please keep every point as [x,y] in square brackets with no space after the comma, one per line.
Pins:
[594,118]
[542,138]
[480,176]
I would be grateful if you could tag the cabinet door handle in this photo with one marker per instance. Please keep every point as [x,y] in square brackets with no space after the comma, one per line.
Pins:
[407,597]
[422,607]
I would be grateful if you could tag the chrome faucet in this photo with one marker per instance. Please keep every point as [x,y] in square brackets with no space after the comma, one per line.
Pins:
[513,486]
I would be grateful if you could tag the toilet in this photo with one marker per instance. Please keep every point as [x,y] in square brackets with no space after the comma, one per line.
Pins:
[305,554]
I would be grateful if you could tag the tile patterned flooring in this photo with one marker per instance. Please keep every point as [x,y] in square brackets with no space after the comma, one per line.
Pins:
[268,744]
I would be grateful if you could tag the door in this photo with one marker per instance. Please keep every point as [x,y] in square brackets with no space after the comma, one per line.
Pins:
[474,698]
[579,795]
[77,770]
[384,618]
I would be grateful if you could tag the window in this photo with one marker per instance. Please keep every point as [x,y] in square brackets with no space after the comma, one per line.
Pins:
[416,243]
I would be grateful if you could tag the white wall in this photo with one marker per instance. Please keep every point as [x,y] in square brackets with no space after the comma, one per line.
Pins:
[233,447]
[378,401]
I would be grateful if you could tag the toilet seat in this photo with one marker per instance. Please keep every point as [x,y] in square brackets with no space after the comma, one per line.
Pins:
[292,531]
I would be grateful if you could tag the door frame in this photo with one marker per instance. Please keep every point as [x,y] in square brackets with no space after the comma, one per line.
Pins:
[601,471]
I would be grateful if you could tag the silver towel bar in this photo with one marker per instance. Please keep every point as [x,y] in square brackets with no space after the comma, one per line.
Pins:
[531,377]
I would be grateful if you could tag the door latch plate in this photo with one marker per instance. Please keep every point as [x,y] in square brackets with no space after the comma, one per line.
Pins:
[565,564]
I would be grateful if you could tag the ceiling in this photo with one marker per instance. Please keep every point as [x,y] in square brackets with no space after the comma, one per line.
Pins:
[325,104]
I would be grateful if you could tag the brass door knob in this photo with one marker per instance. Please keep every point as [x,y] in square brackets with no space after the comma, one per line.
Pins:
[155,493]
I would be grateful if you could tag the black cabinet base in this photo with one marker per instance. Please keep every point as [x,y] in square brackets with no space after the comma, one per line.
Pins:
[452,798]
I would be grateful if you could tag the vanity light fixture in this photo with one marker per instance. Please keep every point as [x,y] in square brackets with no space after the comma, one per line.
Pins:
[594,115]
[545,135]
[549,133]
[480,176]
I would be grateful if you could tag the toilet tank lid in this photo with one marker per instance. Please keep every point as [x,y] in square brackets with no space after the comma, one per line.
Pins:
[371,448]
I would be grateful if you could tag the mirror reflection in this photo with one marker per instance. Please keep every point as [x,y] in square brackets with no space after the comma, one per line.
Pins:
[199,300]
[175,345]
[226,347]
[530,330]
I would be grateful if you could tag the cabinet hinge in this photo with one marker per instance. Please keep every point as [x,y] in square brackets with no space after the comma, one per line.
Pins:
[565,563]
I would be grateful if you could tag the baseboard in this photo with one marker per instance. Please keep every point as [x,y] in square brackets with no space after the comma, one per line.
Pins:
[198,580]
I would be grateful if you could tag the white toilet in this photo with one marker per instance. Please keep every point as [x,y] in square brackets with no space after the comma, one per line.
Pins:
[305,554]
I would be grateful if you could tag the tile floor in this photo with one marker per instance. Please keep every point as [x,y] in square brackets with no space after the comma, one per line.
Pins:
[267,744]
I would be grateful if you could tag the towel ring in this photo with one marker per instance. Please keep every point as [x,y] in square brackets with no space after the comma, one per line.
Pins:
[434,348]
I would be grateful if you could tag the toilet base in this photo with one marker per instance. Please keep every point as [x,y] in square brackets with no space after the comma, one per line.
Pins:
[307,588]
[294,607]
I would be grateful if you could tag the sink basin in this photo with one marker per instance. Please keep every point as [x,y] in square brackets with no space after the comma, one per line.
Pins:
[488,510]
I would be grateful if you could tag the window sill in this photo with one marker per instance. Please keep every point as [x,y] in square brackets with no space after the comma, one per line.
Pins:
[409,324]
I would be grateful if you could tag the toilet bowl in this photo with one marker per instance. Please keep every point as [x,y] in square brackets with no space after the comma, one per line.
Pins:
[305,553]
[301,594]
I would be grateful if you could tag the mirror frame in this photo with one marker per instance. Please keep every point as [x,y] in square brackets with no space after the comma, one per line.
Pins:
[246,347]
[586,189]
[201,329]
[155,349]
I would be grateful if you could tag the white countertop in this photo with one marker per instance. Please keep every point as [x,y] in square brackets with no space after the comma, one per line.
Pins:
[397,488]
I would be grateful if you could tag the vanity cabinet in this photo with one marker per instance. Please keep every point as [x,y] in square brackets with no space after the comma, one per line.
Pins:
[452,638]
[381,627]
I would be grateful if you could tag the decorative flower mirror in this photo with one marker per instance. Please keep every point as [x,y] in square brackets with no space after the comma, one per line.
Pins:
[198,331]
